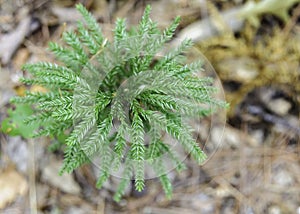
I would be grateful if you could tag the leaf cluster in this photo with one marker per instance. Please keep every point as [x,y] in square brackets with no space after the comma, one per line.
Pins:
[117,99]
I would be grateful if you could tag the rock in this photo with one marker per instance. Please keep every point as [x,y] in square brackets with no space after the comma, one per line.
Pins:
[66,182]
[279,106]
[66,14]
[6,87]
[283,178]
[242,69]
[18,152]
[274,210]
[196,202]
[258,135]
[230,137]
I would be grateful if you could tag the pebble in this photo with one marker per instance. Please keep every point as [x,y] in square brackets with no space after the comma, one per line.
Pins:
[283,178]
[279,106]
[200,201]
[18,152]
[65,182]
[230,137]
[274,210]
[6,87]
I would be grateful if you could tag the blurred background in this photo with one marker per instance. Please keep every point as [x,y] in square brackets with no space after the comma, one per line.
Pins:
[254,47]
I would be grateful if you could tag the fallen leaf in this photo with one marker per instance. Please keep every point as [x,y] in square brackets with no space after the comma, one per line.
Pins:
[20,90]
[12,185]
[21,57]
[38,88]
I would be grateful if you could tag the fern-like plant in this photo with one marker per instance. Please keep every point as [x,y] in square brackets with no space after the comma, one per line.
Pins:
[117,100]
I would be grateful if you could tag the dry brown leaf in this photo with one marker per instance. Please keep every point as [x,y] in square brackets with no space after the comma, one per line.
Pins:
[38,88]
[12,185]
[20,90]
[21,57]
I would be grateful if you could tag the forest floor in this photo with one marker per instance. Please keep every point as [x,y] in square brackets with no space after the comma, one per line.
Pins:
[254,156]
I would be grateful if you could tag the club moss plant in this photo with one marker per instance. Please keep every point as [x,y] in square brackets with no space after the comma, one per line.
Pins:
[116,100]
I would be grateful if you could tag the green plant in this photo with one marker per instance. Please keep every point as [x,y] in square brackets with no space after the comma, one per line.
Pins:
[117,99]
[14,124]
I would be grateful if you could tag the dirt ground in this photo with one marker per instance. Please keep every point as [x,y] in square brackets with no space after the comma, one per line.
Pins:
[254,156]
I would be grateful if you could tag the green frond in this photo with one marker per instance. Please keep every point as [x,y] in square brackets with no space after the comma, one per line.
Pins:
[173,54]
[137,147]
[65,102]
[92,25]
[119,107]
[187,70]
[106,160]
[165,148]
[183,106]
[121,188]
[161,101]
[74,158]
[65,55]
[170,31]
[66,114]
[120,144]
[77,49]
[157,118]
[145,22]
[32,98]
[125,180]
[99,138]
[185,138]
[59,70]
[139,175]
[159,168]
[87,40]
[39,118]
[81,129]
[53,82]
[104,175]
[120,31]
[137,137]
[183,135]
[157,41]
[154,151]
[167,185]
[54,128]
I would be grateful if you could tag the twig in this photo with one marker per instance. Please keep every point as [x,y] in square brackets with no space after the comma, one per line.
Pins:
[9,43]
[31,172]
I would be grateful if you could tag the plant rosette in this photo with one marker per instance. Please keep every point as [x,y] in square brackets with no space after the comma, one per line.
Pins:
[127,104]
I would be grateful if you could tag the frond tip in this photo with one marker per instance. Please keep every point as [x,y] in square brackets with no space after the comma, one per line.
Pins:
[116,100]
